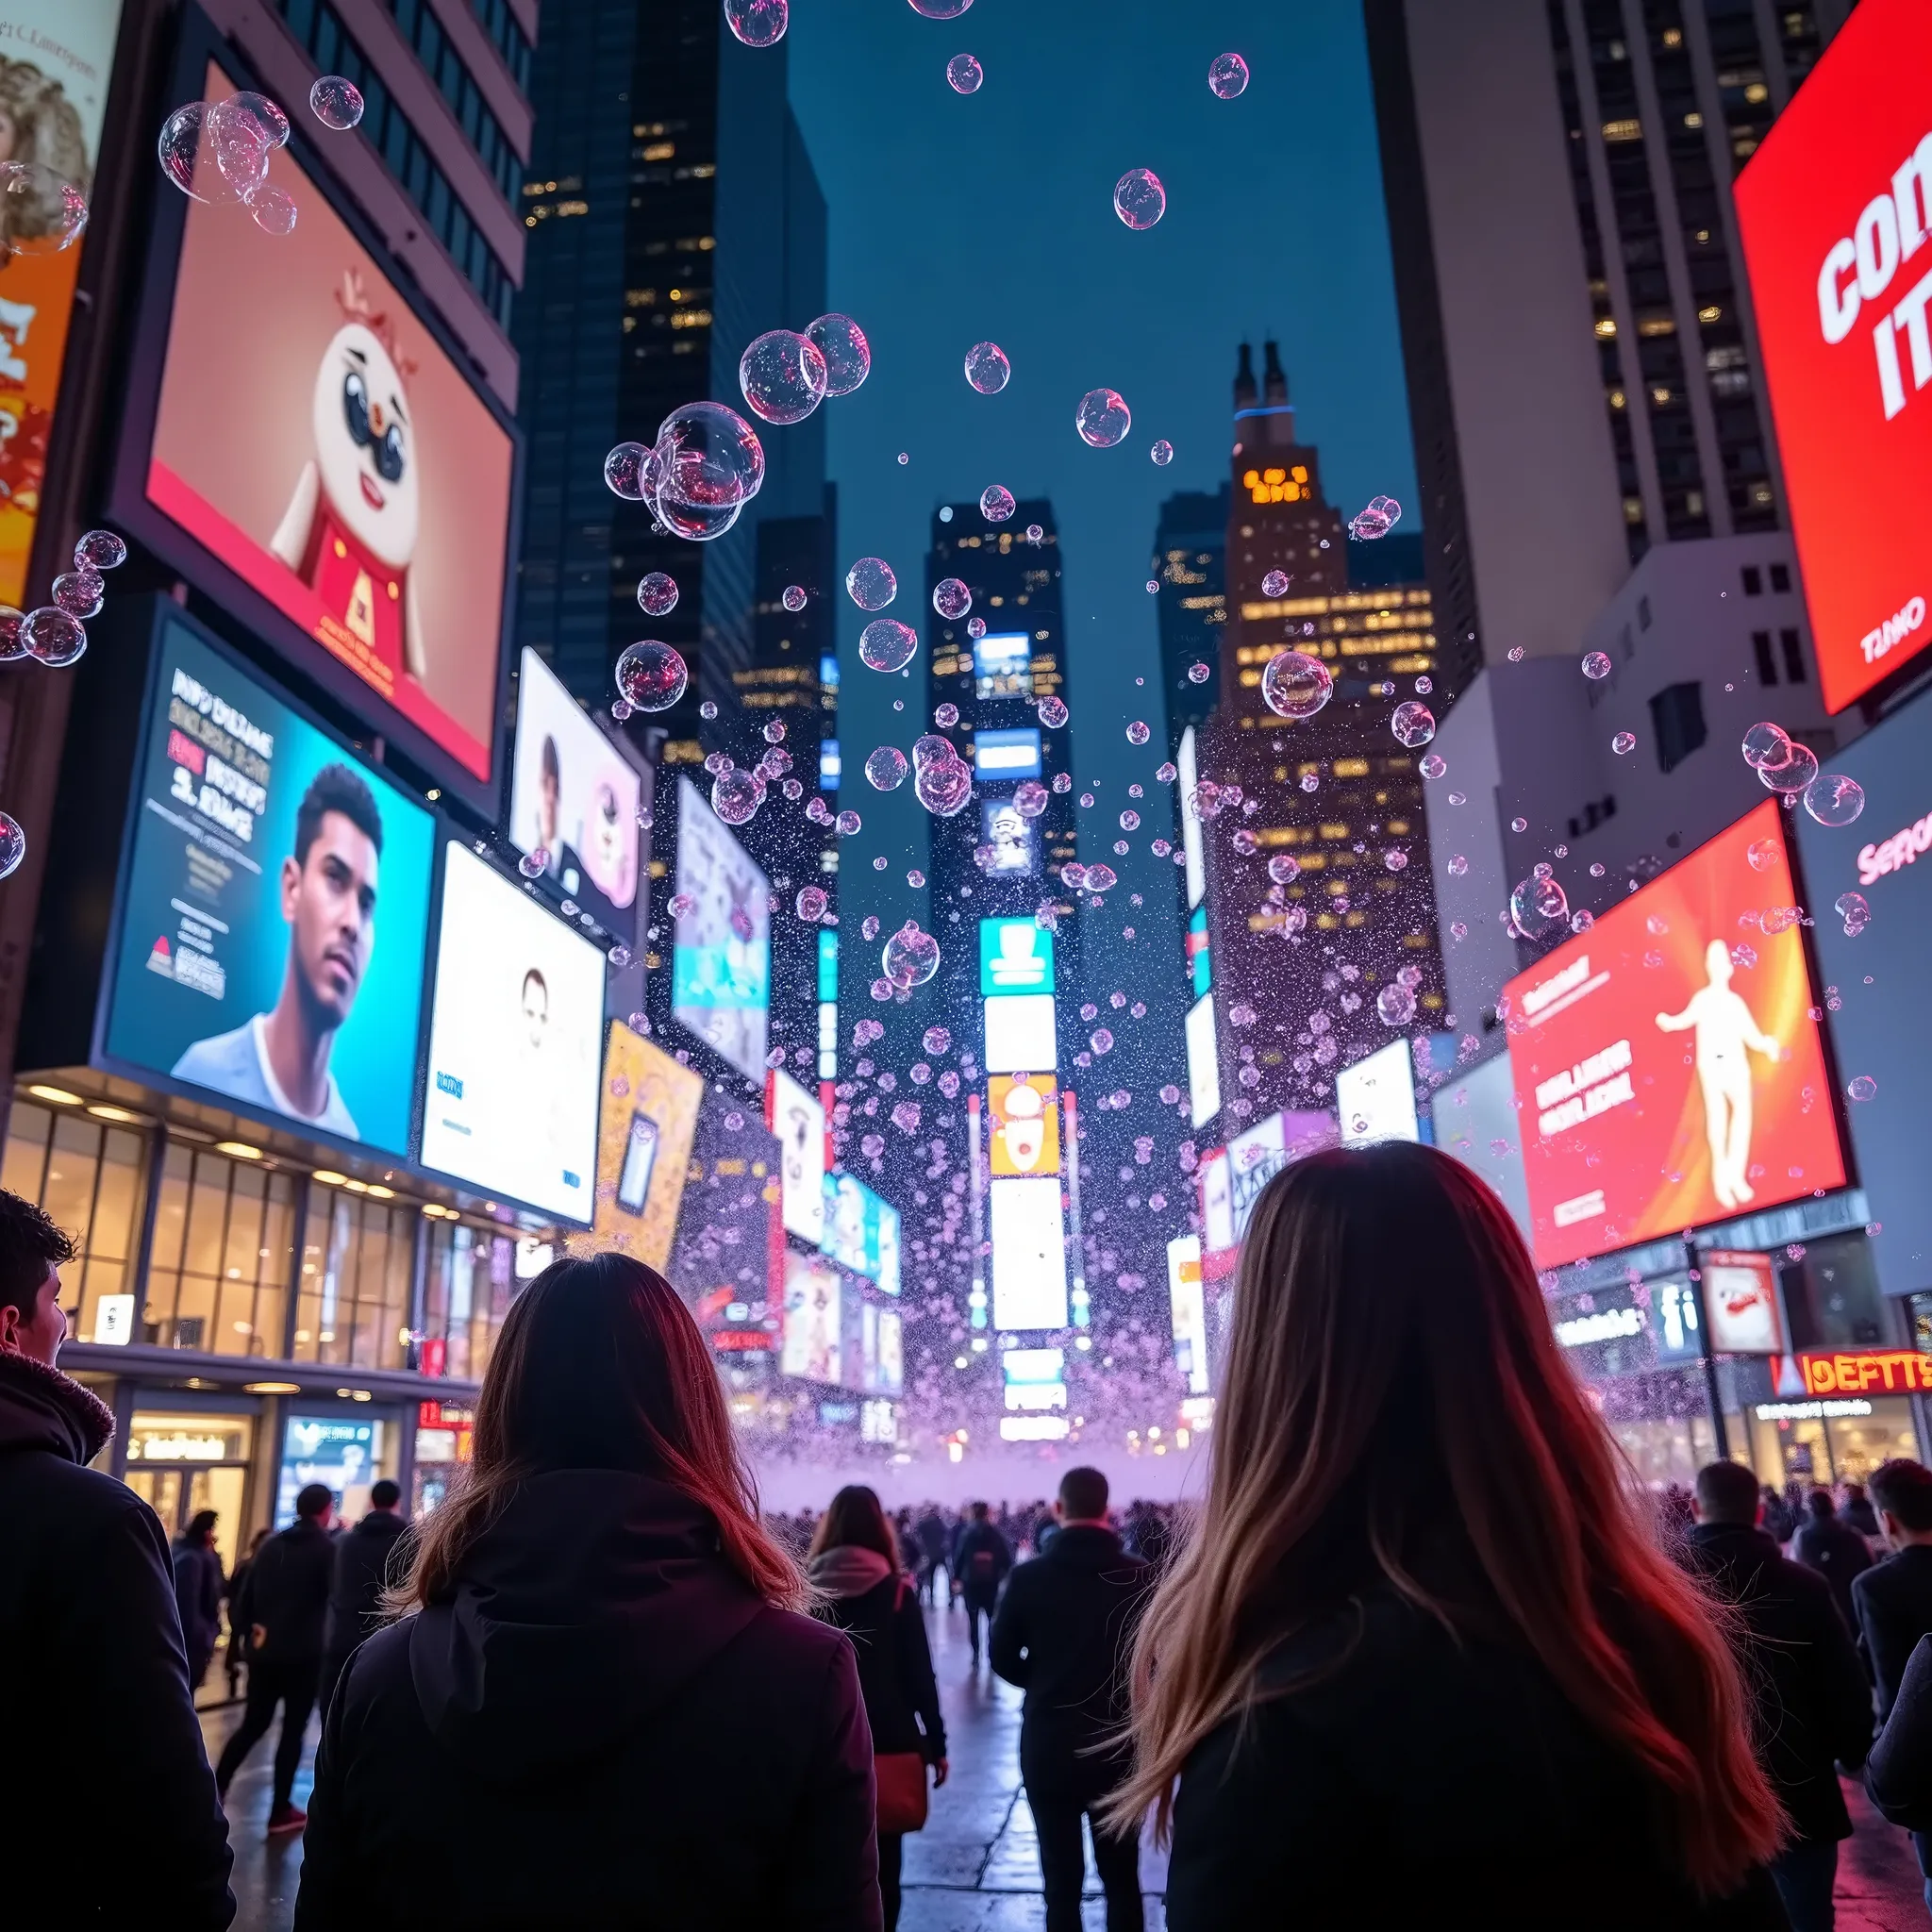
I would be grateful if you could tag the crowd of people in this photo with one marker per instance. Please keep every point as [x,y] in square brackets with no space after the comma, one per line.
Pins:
[1423,1645]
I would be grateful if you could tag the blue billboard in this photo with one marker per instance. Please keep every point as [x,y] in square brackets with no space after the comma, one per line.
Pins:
[862,1231]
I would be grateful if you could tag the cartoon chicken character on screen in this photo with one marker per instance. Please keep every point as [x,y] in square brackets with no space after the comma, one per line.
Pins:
[350,528]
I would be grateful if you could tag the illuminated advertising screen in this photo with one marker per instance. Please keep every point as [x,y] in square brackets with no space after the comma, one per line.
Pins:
[1255,1159]
[1376,1097]
[1024,1125]
[1200,961]
[515,1038]
[1035,1378]
[649,1114]
[1475,1120]
[1011,754]
[883,1340]
[1029,1254]
[1008,836]
[1193,850]
[1667,1067]
[1204,1062]
[799,1121]
[1015,956]
[1002,665]
[727,1253]
[274,910]
[1020,1033]
[573,797]
[1741,1299]
[1217,1204]
[814,1346]
[721,963]
[1834,211]
[345,1452]
[1189,1306]
[325,463]
[860,1231]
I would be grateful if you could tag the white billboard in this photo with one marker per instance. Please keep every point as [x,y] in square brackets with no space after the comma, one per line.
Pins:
[799,1122]
[1193,848]
[1376,1097]
[1189,1306]
[1029,1254]
[1020,1034]
[1204,1065]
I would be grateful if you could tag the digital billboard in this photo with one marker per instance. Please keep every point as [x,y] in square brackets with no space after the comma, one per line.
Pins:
[814,1346]
[1015,956]
[721,962]
[516,1033]
[1193,847]
[1034,1377]
[1020,1033]
[725,1255]
[799,1121]
[1475,1120]
[1669,1069]
[1742,1300]
[861,1230]
[274,910]
[1834,211]
[882,1347]
[1200,956]
[1255,1159]
[1204,1062]
[573,797]
[1010,838]
[1029,1254]
[1376,1097]
[1188,1306]
[649,1114]
[1002,665]
[323,464]
[1024,1125]
[1009,755]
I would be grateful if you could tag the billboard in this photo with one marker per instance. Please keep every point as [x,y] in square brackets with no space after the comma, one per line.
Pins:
[1024,1125]
[1204,1062]
[1669,1069]
[1834,211]
[721,961]
[1193,846]
[573,797]
[322,461]
[1475,1120]
[813,1346]
[649,1113]
[1255,1159]
[860,1231]
[882,1339]
[274,910]
[1002,665]
[1008,837]
[1029,1254]
[1035,1378]
[53,87]
[799,1121]
[1741,1297]
[1015,956]
[511,1104]
[1190,1308]
[726,1252]
[1019,1036]
[1376,1097]
[1008,754]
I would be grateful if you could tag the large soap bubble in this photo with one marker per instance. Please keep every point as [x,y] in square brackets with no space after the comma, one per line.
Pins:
[886,645]
[871,583]
[846,352]
[651,675]
[1294,685]
[757,23]
[1227,75]
[783,377]
[1139,198]
[911,956]
[711,458]
[1103,418]
[987,368]
[336,102]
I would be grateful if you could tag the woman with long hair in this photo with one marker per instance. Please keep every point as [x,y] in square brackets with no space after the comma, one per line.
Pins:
[602,1704]
[1421,1654]
[855,1567]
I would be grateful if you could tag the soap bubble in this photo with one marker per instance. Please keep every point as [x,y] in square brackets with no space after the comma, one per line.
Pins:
[1284,868]
[535,863]
[1102,418]
[1053,714]
[1162,453]
[53,637]
[273,211]
[1458,864]
[695,526]
[886,645]
[266,115]
[947,716]
[99,550]
[975,628]
[939,10]
[1623,743]
[1859,1087]
[1795,772]
[1034,534]
[1294,685]
[1538,904]
[217,151]
[987,368]
[931,746]
[1138,733]
[943,786]
[737,796]
[656,593]
[812,903]
[1378,520]
[1395,1005]
[910,956]
[335,103]
[1199,673]
[1765,745]
[1101,879]
[13,644]
[846,353]
[710,456]
[870,583]
[1030,798]
[964,74]
[1139,198]
[13,844]
[1764,854]
[1413,725]
[1856,910]
[1433,765]
[42,212]
[846,823]
[885,769]
[80,592]
[757,23]
[651,675]
[782,375]
[995,503]
[1831,798]
[1274,584]
[1227,75]
[1596,666]
[793,599]
[627,469]
[951,598]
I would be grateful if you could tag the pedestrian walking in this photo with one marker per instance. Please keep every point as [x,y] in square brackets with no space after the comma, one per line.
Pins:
[930,1534]
[1898,1773]
[863,1590]
[1421,1654]
[980,1563]
[199,1587]
[1062,1634]
[1778,1519]
[1813,1706]
[603,1704]
[361,1573]
[1832,1548]
[240,1594]
[1855,1511]
[95,1683]
[288,1606]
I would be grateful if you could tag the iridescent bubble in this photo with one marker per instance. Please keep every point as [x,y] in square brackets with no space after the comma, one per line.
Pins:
[1764,854]
[782,376]
[1293,685]
[1596,666]
[939,10]
[335,103]
[1831,798]
[757,23]
[1413,725]
[870,583]
[1162,453]
[711,458]
[1199,673]
[1034,534]
[12,643]
[810,903]
[13,844]
[1101,879]
[1623,743]
[656,593]
[42,212]
[943,786]
[964,74]
[737,796]
[911,956]
[995,503]
[929,747]
[1053,714]
[274,210]
[217,151]
[651,675]
[534,863]
[1139,198]
[947,716]
[1395,1005]
[951,598]
[987,368]
[695,526]
[846,823]
[1458,864]
[1859,1087]
[1538,904]
[846,352]
[794,598]
[53,637]
[1853,909]
[1795,772]
[1227,75]
[266,115]
[1030,798]
[1102,419]
[1138,733]
[1311,782]
[1433,765]
[1274,584]
[99,550]
[1378,520]
[975,628]
[886,645]
[625,470]
[1765,745]
[80,592]
[1395,859]
[885,768]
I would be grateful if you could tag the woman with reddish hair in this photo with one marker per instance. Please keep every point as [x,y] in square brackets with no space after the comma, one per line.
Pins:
[603,1703]
[1420,1658]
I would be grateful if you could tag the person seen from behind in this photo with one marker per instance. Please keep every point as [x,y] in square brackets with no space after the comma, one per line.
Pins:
[361,1573]
[1855,1511]
[603,1703]
[1063,1633]
[930,1534]
[854,1566]
[87,1582]
[199,1587]
[1813,1706]
[981,1562]
[1832,1548]
[1420,1643]
[240,1593]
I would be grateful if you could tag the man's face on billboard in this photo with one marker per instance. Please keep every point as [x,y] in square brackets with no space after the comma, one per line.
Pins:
[329,904]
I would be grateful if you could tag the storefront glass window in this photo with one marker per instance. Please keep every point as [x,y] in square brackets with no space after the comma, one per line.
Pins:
[358,1265]
[219,1275]
[467,1291]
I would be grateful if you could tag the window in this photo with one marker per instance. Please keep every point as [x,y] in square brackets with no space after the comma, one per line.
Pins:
[1767,665]
[468,1284]
[420,26]
[507,37]
[1780,578]
[358,1263]
[1676,723]
[1794,656]
[1754,581]
[218,1276]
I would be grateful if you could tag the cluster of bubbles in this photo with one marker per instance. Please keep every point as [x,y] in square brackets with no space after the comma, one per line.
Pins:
[218,151]
[1784,765]
[785,376]
[706,465]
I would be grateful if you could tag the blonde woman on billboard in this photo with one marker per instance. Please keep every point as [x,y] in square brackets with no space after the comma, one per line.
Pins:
[1727,1037]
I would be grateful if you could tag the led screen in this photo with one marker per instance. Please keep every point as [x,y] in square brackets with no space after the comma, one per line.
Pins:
[814,1344]
[1188,1305]
[720,964]
[1029,1255]
[885,1361]
[275,909]
[1669,1070]
[510,1103]
[1200,956]
[1008,837]
[1035,1378]
[1376,1097]
[1204,1066]
[860,1231]
[1015,956]
[1193,849]
[1002,665]
[574,797]
[649,1115]
[799,1121]
[1255,1159]
[1020,1034]
[1011,754]
[312,438]
[1024,1125]
[1475,1120]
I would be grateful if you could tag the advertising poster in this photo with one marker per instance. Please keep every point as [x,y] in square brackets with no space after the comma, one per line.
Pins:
[1015,956]
[728,1250]
[721,963]
[275,911]
[55,60]
[342,1451]
[1255,1159]
[1204,1062]
[1669,1069]
[1376,1097]
[515,1039]
[1029,1254]
[1008,835]
[815,1341]
[862,1231]
[649,1115]
[573,797]
[1020,1037]
[1741,1297]
[312,438]
[1475,1120]
[1011,754]
[1002,665]
[890,1375]
[1024,1122]
[1188,1306]
[799,1121]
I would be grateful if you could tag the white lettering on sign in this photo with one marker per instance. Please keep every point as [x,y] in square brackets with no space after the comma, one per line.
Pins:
[1901,849]
[1860,268]
[1573,976]
[1895,630]
[1610,1325]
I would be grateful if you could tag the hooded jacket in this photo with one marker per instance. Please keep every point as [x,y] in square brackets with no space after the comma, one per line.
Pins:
[603,1725]
[362,1561]
[96,1681]
[864,1596]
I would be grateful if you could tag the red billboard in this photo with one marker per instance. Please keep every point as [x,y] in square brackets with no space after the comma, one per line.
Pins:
[1835,210]
[1667,1071]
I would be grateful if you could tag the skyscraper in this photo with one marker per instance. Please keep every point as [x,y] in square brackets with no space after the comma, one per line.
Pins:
[1190,564]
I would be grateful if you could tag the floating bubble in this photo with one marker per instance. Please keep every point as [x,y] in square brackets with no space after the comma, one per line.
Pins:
[1378,520]
[12,643]
[1274,584]
[1458,864]
[1395,1005]
[847,354]
[533,864]
[1793,773]
[1311,782]
[651,675]
[267,117]
[930,746]
[1227,75]
[1394,860]
[911,956]
[695,526]
[1034,534]
[711,458]
[975,628]
[627,469]
[336,102]
[847,822]
[217,151]
[1859,1087]
[885,769]
[794,598]
[997,503]
[1101,879]
[1294,685]
[1581,921]
[782,376]
[1138,733]
[42,212]
[80,592]
[757,23]
[1623,743]
[1596,666]
[1162,453]
[987,368]
[1856,910]
[886,645]
[1102,419]
[99,550]
[273,211]
[947,716]
[656,593]
[943,786]
[1139,198]
[1199,673]
[870,583]
[13,844]
[1831,798]
[1765,745]
[1538,904]
[1030,798]
[1433,765]
[53,637]
[1053,714]
[964,74]
[810,903]
[951,598]
[1413,725]
[939,10]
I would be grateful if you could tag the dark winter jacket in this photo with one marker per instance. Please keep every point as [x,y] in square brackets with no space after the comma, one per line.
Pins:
[1813,1706]
[981,1562]
[198,1586]
[602,1726]
[930,1530]
[1856,1512]
[1893,1604]
[1898,1773]
[361,1575]
[1063,1633]
[1401,1774]
[288,1591]
[1838,1554]
[96,1681]
[879,1611]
